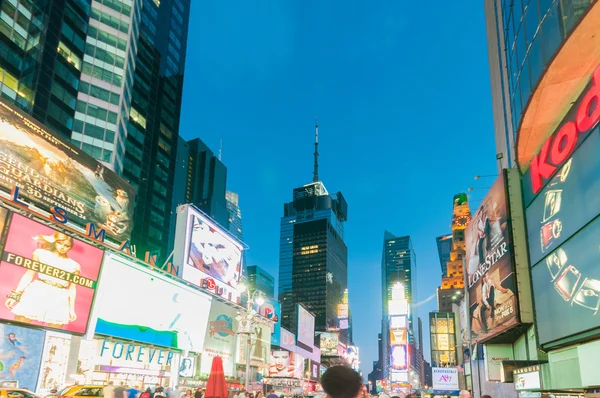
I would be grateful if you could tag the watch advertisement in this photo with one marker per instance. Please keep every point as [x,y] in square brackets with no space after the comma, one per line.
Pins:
[490,276]
[567,282]
[567,203]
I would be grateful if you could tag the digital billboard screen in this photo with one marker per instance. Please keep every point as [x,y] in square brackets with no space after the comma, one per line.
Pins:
[306,327]
[220,337]
[48,278]
[52,172]
[329,343]
[398,337]
[490,276]
[567,282]
[282,364]
[167,316]
[568,202]
[260,344]
[399,357]
[21,355]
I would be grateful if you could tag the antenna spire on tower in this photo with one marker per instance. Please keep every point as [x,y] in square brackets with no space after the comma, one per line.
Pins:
[316,165]
[221,149]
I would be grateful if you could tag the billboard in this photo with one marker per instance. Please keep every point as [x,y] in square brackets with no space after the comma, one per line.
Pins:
[48,278]
[271,309]
[220,337]
[491,280]
[20,355]
[398,337]
[306,327]
[51,172]
[329,343]
[398,322]
[206,254]
[567,203]
[399,357]
[445,379]
[260,344]
[187,367]
[567,282]
[287,340]
[136,303]
[282,364]
[398,307]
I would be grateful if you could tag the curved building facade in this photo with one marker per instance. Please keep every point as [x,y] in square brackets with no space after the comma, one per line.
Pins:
[545,75]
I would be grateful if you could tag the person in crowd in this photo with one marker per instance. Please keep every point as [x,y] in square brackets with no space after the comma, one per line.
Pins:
[272,394]
[188,393]
[133,392]
[465,394]
[109,390]
[158,392]
[259,394]
[175,393]
[198,393]
[242,394]
[486,396]
[342,382]
[147,393]
[120,391]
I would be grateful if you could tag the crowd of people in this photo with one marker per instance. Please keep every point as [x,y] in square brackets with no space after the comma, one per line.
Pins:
[123,391]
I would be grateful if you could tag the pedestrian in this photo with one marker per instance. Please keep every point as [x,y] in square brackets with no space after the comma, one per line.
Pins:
[242,394]
[465,394]
[486,396]
[198,393]
[175,393]
[259,394]
[159,392]
[109,390]
[147,393]
[272,394]
[120,391]
[342,382]
[133,392]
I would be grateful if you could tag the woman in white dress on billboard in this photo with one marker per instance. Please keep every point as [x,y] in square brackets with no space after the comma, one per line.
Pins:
[43,298]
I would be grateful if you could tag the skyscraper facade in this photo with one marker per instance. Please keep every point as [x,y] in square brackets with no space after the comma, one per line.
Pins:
[444,245]
[235,215]
[398,269]
[260,279]
[313,257]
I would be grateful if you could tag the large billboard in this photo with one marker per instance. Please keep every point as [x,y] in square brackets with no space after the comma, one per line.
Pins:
[138,304]
[271,309]
[206,254]
[567,282]
[220,337]
[306,327]
[399,357]
[20,355]
[282,364]
[48,278]
[329,342]
[260,344]
[490,275]
[51,172]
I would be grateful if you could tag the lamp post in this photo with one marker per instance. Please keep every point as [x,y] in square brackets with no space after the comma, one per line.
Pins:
[248,320]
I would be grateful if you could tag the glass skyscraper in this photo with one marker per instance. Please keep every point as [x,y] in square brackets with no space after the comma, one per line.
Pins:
[235,215]
[259,279]
[444,245]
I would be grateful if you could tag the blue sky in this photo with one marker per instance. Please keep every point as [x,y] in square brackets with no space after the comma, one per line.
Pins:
[401,89]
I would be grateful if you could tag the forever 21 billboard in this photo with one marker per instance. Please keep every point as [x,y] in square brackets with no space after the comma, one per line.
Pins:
[52,172]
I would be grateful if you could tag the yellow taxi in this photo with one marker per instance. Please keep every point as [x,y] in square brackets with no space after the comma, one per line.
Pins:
[17,393]
[82,391]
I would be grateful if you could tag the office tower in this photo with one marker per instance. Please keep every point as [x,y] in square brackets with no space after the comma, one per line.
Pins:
[42,50]
[543,58]
[398,267]
[442,328]
[313,257]
[235,215]
[444,245]
[453,282]
[201,179]
[259,279]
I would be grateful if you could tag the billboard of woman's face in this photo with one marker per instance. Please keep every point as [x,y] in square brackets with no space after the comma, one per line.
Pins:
[48,278]
[282,364]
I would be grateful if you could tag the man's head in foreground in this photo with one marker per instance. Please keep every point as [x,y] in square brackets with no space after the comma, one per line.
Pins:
[341,382]
[465,394]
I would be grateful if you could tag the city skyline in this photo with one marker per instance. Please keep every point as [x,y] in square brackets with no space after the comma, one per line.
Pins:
[257,83]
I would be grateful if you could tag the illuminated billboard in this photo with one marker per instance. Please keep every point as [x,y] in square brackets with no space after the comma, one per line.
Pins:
[48,278]
[399,357]
[209,256]
[398,307]
[490,275]
[52,172]
[329,343]
[282,364]
[398,337]
[342,311]
[167,316]
[306,327]
[260,344]
[220,337]
[21,355]
[398,322]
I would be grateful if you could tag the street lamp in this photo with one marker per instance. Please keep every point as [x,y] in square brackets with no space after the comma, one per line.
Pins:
[247,320]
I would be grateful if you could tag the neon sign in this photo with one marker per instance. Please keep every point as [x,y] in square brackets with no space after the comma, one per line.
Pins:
[560,145]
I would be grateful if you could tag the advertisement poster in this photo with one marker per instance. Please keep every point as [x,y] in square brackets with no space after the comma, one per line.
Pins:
[220,337]
[260,345]
[306,327]
[491,282]
[282,364]
[329,343]
[398,337]
[271,310]
[187,367]
[445,379]
[214,253]
[567,282]
[51,172]
[567,203]
[48,278]
[20,355]
[138,304]
[54,363]
[399,357]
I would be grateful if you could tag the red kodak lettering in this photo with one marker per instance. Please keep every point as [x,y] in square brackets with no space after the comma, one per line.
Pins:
[586,117]
[539,167]
[564,143]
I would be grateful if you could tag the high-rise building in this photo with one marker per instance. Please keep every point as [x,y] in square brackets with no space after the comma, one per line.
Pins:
[42,52]
[398,268]
[453,283]
[313,257]
[442,328]
[235,215]
[201,179]
[545,79]
[444,245]
[259,279]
